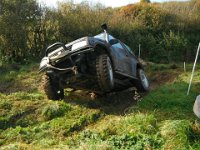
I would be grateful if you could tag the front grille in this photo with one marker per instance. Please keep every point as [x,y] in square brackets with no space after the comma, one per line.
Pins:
[57,53]
[64,64]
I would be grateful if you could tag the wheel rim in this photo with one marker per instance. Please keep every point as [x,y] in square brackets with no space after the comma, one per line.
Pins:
[110,71]
[144,79]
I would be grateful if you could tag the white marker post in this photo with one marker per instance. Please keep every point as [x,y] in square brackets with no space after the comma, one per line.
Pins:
[193,69]
[139,51]
[184,66]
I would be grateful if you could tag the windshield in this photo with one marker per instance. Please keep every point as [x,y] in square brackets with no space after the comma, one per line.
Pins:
[100,36]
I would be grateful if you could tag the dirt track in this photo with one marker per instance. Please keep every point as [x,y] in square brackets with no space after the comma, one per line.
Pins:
[116,102]
[119,102]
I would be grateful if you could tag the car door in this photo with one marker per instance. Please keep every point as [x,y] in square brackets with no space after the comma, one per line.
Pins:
[122,60]
[132,59]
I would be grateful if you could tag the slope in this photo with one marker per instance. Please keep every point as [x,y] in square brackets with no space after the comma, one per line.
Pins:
[162,119]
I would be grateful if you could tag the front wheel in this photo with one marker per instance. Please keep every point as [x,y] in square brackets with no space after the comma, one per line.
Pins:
[104,71]
[142,83]
[52,89]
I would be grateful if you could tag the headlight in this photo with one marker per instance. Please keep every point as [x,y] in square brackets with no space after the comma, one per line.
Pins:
[79,45]
[44,63]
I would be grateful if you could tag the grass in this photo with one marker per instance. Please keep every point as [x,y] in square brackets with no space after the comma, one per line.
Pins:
[167,104]
[163,119]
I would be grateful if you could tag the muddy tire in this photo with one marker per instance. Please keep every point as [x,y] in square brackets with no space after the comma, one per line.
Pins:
[104,71]
[52,89]
[142,84]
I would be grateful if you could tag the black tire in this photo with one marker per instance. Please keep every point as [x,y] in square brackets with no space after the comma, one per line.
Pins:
[142,84]
[104,71]
[52,89]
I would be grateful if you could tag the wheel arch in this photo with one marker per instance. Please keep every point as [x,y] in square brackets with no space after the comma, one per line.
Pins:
[102,49]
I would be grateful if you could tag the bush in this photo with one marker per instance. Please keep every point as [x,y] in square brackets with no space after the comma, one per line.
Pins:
[164,30]
[175,46]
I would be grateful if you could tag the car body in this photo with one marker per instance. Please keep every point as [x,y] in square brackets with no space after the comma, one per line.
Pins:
[100,63]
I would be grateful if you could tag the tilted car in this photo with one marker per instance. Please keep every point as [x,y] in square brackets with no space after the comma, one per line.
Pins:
[101,64]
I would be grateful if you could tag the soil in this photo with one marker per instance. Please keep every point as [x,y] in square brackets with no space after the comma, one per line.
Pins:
[160,78]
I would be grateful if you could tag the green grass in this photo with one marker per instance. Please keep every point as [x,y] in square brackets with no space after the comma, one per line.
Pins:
[169,102]
[162,119]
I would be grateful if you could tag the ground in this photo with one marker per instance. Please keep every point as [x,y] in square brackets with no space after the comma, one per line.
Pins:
[160,119]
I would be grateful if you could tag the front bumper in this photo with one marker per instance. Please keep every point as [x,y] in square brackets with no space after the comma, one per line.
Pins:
[46,62]
[44,65]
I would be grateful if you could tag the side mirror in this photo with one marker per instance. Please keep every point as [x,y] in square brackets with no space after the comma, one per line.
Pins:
[104,26]
[113,41]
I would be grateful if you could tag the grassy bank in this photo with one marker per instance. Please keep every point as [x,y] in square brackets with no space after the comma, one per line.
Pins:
[162,119]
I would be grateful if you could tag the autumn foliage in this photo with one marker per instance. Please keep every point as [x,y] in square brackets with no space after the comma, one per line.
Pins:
[167,32]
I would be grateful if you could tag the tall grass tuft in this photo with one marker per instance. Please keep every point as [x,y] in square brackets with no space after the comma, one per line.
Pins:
[175,133]
[55,109]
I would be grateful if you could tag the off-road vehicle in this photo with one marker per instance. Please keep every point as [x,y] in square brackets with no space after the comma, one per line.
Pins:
[101,64]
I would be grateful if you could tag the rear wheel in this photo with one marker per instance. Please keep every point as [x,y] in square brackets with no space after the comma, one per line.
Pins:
[142,83]
[104,71]
[52,89]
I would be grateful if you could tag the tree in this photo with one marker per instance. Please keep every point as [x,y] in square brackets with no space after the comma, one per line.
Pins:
[145,1]
[18,19]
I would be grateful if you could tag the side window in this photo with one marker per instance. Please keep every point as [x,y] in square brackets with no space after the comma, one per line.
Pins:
[118,45]
[129,49]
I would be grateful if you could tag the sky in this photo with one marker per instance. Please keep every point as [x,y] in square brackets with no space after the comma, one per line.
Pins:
[108,3]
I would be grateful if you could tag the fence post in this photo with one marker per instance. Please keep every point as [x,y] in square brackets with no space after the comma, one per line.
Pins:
[139,51]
